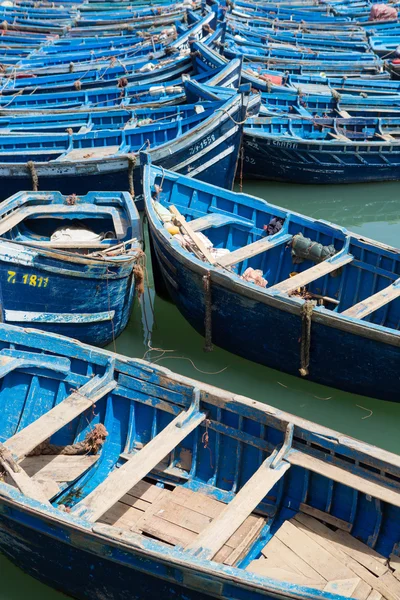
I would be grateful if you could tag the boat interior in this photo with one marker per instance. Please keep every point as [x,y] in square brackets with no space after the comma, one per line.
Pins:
[98,220]
[196,472]
[351,276]
[332,130]
[142,129]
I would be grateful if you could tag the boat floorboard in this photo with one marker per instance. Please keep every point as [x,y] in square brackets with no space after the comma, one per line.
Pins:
[305,551]
[177,517]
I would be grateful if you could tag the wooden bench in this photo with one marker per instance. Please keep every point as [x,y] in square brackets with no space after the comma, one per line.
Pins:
[211,540]
[219,220]
[121,480]
[312,274]
[23,442]
[253,249]
[373,303]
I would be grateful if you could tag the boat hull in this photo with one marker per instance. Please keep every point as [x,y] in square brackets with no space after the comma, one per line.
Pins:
[268,330]
[86,301]
[297,162]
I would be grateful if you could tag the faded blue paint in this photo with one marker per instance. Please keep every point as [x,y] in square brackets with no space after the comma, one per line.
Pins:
[66,290]
[263,325]
[107,562]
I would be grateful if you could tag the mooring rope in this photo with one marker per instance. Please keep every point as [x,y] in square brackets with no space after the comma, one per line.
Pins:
[34,175]
[131,168]
[207,312]
[306,316]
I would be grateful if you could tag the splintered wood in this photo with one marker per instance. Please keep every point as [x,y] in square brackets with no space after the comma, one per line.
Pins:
[177,517]
[304,551]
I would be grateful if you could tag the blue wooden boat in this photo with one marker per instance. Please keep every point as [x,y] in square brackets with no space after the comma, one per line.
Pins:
[323,150]
[179,489]
[130,97]
[339,330]
[68,264]
[200,139]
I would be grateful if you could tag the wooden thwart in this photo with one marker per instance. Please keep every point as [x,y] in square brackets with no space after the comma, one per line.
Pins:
[253,249]
[219,220]
[186,228]
[121,480]
[23,482]
[236,512]
[312,274]
[342,475]
[373,303]
[23,442]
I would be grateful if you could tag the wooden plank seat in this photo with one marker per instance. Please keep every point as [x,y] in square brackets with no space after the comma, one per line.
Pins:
[211,540]
[376,489]
[121,480]
[253,249]
[219,220]
[178,518]
[373,303]
[26,440]
[312,274]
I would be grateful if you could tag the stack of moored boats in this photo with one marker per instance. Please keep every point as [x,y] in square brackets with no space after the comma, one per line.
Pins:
[119,478]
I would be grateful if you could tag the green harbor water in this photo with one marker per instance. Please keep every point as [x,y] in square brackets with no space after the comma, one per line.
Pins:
[372,210]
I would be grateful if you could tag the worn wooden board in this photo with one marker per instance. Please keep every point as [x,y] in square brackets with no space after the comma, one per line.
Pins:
[57,467]
[261,567]
[329,567]
[342,475]
[343,587]
[388,587]
[238,510]
[311,274]
[276,550]
[121,480]
[373,303]
[326,517]
[253,249]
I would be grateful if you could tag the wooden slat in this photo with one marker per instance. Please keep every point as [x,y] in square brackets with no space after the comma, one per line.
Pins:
[253,249]
[186,227]
[21,480]
[121,480]
[374,595]
[261,567]
[342,475]
[241,550]
[277,551]
[386,585]
[343,587]
[23,442]
[218,220]
[319,559]
[57,467]
[236,512]
[312,274]
[373,303]
[326,517]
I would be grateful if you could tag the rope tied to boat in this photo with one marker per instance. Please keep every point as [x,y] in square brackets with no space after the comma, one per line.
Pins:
[131,168]
[77,85]
[93,442]
[71,67]
[139,273]
[208,346]
[306,317]
[34,176]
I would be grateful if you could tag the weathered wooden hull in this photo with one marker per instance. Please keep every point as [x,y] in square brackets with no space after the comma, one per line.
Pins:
[299,162]
[83,299]
[268,331]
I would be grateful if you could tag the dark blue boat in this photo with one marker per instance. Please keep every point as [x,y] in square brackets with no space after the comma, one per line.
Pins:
[200,139]
[323,150]
[335,321]
[124,480]
[68,264]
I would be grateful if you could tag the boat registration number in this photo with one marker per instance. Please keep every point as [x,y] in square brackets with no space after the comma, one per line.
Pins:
[26,279]
[284,144]
[203,144]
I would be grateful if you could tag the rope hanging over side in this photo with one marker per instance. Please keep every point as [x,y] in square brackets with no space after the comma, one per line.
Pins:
[207,313]
[306,316]
[92,443]
[34,175]
[131,168]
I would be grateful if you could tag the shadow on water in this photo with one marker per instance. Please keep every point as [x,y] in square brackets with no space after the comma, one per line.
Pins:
[372,210]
